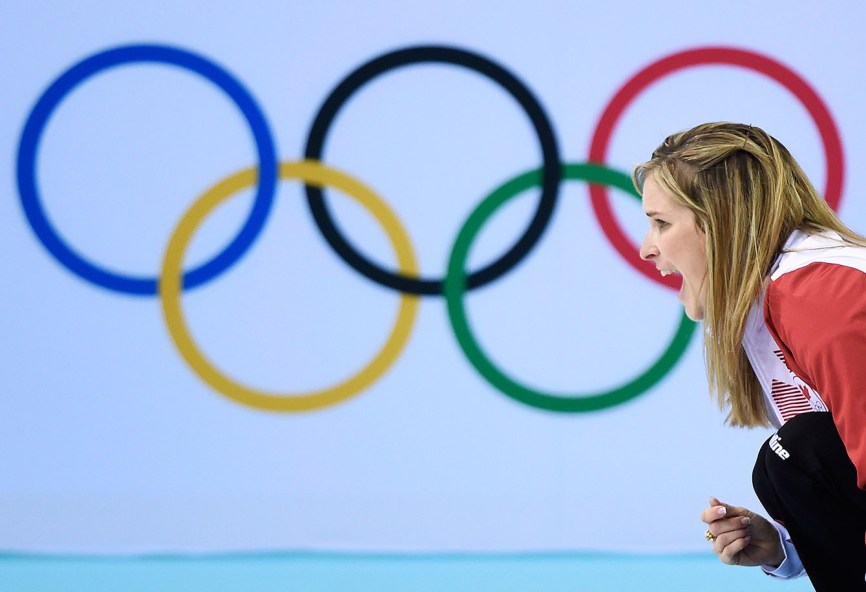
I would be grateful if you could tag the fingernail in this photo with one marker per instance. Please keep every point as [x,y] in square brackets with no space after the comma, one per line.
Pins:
[722,511]
[746,521]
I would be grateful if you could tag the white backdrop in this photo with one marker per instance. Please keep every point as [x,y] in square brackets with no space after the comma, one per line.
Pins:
[111,442]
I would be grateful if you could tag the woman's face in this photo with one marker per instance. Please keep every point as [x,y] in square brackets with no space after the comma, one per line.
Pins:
[676,245]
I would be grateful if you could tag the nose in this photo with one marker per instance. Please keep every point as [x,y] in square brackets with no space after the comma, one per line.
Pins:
[648,249]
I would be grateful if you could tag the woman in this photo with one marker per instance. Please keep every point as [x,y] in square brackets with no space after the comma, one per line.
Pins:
[780,284]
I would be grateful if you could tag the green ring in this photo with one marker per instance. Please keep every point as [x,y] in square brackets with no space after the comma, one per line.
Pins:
[455,287]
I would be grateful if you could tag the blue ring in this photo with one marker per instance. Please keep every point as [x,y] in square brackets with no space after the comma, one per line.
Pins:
[33,128]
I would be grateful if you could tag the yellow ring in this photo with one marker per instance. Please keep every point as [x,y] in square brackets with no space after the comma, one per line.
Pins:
[313,173]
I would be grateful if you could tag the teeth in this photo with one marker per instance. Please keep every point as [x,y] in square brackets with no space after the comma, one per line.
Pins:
[665,272]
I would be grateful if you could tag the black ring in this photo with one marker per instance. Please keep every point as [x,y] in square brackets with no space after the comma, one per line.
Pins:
[550,170]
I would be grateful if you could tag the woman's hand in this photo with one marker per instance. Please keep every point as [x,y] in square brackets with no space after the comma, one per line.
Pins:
[741,536]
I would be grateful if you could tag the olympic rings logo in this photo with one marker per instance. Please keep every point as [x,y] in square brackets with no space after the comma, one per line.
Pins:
[316,175]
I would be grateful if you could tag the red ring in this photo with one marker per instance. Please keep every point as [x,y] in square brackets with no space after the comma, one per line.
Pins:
[697,57]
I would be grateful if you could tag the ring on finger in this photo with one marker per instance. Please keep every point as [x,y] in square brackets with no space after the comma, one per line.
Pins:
[709,536]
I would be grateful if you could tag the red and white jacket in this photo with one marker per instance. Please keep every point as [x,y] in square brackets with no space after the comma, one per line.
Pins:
[806,339]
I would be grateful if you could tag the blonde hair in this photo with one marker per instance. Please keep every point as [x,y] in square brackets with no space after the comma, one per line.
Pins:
[748,194]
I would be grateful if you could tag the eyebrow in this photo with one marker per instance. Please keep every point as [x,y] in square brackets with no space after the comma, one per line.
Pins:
[652,214]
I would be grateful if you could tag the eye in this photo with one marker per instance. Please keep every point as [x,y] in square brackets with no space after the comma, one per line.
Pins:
[660,224]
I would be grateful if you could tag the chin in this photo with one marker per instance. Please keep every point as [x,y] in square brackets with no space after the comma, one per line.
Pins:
[695,313]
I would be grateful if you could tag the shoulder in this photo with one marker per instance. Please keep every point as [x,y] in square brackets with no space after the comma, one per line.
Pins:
[817,285]
[818,267]
[819,281]
[821,298]
[803,250]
